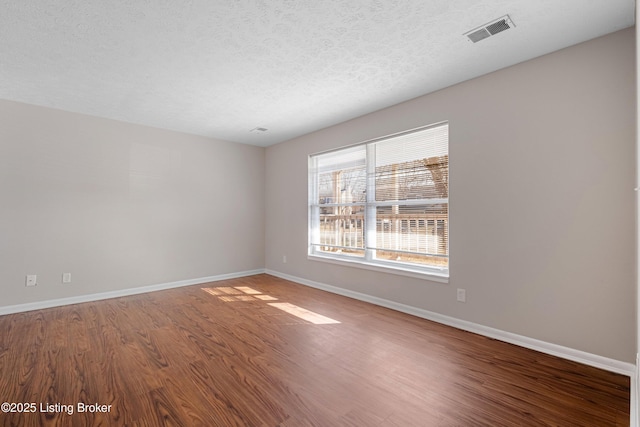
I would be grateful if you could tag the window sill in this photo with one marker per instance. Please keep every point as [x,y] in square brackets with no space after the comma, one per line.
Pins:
[399,270]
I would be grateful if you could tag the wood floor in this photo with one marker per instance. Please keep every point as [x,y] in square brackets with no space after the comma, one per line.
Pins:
[223,356]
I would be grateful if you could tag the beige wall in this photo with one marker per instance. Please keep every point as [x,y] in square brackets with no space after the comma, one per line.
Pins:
[119,205]
[635,394]
[542,205]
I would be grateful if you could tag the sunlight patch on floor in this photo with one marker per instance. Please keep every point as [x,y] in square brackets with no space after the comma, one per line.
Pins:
[245,293]
[239,293]
[247,290]
[302,313]
[211,291]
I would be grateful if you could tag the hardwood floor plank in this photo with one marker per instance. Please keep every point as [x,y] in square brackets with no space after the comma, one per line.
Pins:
[219,355]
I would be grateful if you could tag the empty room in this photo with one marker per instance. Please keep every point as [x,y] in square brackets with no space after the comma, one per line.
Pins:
[334,213]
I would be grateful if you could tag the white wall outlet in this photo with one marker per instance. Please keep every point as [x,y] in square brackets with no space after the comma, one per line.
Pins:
[284,259]
[462,295]
[66,277]
[31,280]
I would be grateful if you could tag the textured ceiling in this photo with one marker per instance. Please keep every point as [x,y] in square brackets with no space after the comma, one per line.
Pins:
[221,68]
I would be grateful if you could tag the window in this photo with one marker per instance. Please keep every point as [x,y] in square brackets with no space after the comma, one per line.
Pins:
[384,203]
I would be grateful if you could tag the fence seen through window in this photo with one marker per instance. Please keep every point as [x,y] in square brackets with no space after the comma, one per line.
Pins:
[384,202]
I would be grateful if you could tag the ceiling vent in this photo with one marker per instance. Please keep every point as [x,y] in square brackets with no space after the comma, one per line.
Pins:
[490,29]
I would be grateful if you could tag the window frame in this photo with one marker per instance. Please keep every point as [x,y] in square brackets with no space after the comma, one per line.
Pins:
[370,205]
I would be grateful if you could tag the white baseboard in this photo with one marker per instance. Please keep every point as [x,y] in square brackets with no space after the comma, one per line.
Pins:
[579,356]
[594,360]
[635,395]
[122,293]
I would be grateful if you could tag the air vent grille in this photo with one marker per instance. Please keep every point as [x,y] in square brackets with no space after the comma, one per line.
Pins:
[476,36]
[498,27]
[490,29]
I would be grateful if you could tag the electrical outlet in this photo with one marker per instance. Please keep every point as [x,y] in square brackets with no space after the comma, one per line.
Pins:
[284,259]
[66,277]
[31,280]
[462,295]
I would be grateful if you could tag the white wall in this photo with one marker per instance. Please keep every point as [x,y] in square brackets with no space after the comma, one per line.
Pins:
[635,386]
[120,205]
[542,210]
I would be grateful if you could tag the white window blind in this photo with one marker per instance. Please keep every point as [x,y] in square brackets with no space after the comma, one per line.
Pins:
[384,202]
